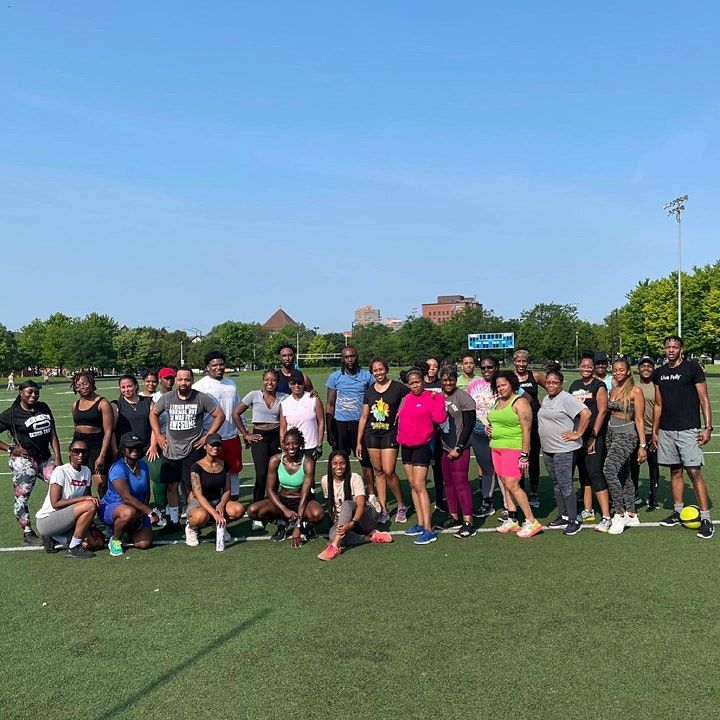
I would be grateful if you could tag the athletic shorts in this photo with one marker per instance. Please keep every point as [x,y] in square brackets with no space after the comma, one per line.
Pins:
[178,471]
[421,455]
[291,503]
[193,504]
[105,513]
[680,447]
[346,434]
[507,463]
[232,454]
[58,522]
[386,441]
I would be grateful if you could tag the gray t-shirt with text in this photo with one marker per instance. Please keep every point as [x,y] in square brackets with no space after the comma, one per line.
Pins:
[184,420]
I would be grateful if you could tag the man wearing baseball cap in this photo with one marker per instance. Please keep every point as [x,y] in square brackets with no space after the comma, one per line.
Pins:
[600,360]
[646,367]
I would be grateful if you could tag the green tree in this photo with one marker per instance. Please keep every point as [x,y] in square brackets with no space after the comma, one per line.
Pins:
[418,339]
[374,340]
[238,340]
[454,331]
[92,342]
[710,327]
[9,356]
[31,343]
[138,349]
[58,343]
[548,331]
[268,352]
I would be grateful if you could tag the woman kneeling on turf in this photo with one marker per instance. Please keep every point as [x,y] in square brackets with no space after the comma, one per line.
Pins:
[291,503]
[67,506]
[354,521]
[209,493]
[124,507]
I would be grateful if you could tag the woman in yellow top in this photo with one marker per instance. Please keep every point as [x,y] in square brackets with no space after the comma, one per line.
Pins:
[509,428]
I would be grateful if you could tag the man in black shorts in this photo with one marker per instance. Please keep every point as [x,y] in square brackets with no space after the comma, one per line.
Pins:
[181,445]
[680,394]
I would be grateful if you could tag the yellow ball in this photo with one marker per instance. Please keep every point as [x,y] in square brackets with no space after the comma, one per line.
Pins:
[690,517]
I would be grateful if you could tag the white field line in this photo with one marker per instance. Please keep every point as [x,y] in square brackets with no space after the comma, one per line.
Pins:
[255,538]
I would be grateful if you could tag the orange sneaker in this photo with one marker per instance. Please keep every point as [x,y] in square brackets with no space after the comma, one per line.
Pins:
[509,526]
[330,552]
[381,537]
[529,529]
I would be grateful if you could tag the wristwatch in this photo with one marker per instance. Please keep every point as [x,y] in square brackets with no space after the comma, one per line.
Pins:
[643,445]
[710,429]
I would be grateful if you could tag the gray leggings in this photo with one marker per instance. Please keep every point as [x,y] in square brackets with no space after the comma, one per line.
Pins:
[560,467]
[620,442]
[368,523]
[481,447]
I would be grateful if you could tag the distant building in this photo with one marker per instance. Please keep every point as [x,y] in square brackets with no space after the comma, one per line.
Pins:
[366,314]
[277,321]
[393,323]
[447,306]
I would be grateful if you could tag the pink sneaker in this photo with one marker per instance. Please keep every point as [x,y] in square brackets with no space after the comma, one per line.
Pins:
[330,552]
[401,514]
[381,537]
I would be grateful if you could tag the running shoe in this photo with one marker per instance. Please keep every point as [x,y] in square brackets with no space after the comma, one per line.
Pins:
[466,531]
[529,529]
[258,525]
[31,539]
[587,516]
[380,537]
[509,526]
[652,504]
[227,537]
[534,500]
[618,524]
[487,509]
[191,536]
[374,502]
[115,547]
[171,527]
[415,530]
[604,525]
[559,523]
[401,514]
[78,552]
[671,520]
[330,552]
[384,516]
[572,528]
[441,506]
[639,501]
[451,524]
[48,544]
[503,516]
[706,531]
[632,520]
[281,533]
[426,537]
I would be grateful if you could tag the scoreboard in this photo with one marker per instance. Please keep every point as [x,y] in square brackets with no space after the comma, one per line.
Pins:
[491,341]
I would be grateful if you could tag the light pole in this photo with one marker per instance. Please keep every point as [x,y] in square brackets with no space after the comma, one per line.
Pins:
[577,350]
[675,207]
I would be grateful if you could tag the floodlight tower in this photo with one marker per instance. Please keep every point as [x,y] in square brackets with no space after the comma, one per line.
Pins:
[675,207]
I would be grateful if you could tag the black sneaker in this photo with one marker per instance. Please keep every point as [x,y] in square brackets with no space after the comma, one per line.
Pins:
[442,506]
[572,528]
[451,524]
[671,521]
[32,540]
[485,510]
[465,531]
[639,501]
[559,523]
[171,527]
[652,504]
[48,544]
[706,531]
[79,552]
[281,533]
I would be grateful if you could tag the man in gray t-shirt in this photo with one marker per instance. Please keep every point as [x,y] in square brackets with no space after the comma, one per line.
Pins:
[182,443]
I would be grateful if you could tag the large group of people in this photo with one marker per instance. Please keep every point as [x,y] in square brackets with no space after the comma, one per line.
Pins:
[135,462]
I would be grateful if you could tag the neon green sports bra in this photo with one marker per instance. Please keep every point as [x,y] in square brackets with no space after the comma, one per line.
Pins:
[288,480]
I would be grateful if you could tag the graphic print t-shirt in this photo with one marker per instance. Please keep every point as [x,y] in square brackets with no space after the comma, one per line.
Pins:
[185,420]
[383,407]
[31,428]
[350,391]
[680,401]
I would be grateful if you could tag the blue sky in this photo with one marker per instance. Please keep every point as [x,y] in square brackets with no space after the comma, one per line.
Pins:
[182,164]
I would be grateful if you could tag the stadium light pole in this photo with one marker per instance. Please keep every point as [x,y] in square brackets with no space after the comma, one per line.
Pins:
[675,207]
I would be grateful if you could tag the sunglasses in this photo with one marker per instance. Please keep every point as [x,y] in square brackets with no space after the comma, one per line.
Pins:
[79,451]
[487,367]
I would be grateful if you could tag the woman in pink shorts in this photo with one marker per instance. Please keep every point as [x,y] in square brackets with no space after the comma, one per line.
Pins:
[510,425]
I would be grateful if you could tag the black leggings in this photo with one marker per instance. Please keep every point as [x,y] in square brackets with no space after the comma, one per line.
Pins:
[590,467]
[653,470]
[262,451]
[534,468]
[437,468]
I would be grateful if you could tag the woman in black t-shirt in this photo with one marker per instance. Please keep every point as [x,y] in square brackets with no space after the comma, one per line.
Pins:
[378,425]
[132,415]
[209,493]
[32,428]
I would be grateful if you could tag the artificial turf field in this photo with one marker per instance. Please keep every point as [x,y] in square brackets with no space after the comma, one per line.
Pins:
[492,627]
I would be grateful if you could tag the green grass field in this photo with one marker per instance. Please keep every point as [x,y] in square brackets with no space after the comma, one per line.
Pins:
[494,627]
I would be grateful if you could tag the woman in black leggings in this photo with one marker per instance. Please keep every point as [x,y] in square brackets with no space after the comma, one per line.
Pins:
[264,440]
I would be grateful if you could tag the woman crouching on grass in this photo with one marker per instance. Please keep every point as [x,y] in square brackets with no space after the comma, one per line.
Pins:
[124,507]
[291,475]
[509,428]
[354,521]
[208,494]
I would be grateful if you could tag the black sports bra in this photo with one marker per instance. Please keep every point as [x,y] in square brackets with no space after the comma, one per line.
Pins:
[91,417]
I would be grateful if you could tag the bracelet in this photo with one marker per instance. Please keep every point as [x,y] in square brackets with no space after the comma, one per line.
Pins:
[524,455]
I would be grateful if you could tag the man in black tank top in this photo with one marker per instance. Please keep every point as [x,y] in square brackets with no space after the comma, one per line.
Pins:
[287,354]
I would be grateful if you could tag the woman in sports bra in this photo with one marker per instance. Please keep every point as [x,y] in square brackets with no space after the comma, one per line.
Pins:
[626,428]
[289,503]
[94,422]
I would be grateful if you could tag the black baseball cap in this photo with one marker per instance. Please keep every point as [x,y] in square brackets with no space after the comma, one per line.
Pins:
[213,439]
[131,440]
[646,359]
[600,358]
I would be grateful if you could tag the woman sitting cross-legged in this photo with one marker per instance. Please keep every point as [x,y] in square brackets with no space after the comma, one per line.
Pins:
[209,493]
[354,521]
[291,475]
[124,507]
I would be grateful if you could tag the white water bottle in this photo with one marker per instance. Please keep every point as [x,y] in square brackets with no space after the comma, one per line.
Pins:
[219,538]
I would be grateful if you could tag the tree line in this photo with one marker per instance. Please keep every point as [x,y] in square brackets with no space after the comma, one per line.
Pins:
[548,330]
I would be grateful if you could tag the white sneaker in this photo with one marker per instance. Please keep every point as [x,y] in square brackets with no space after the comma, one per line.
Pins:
[258,525]
[632,520]
[227,537]
[374,502]
[618,524]
[191,536]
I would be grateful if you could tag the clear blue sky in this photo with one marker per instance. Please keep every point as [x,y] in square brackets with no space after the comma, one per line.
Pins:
[181,164]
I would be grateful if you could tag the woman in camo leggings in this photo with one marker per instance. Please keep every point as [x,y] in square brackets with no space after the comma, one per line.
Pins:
[626,429]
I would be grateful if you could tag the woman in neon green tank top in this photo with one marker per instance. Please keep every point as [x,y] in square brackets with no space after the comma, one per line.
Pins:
[289,502]
[510,423]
